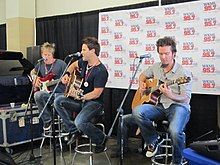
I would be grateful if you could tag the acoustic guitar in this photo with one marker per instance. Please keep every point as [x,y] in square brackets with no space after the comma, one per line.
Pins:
[73,89]
[152,92]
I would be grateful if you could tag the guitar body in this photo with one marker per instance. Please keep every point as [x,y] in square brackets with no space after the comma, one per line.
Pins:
[46,81]
[147,96]
[44,87]
[152,92]
[73,88]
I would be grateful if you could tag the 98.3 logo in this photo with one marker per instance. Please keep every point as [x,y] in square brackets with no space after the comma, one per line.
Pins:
[208,84]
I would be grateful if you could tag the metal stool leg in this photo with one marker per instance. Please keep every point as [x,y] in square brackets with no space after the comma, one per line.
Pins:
[91,155]
[41,145]
[89,151]
[58,135]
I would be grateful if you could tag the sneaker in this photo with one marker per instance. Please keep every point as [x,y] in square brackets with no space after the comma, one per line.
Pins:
[47,126]
[101,148]
[151,149]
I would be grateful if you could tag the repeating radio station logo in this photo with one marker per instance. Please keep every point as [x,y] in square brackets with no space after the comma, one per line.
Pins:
[188,46]
[209,6]
[168,11]
[209,22]
[118,74]
[132,54]
[105,30]
[208,68]
[133,82]
[208,84]
[104,17]
[118,35]
[189,16]
[104,55]
[189,31]
[119,61]
[151,33]
[149,61]
[134,41]
[209,37]
[170,25]
[135,28]
[134,15]
[119,48]
[150,21]
[208,53]
[188,61]
[119,23]
[105,42]
[150,47]
[133,67]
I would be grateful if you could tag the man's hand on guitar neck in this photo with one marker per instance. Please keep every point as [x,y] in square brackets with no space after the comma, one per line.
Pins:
[65,79]
[166,90]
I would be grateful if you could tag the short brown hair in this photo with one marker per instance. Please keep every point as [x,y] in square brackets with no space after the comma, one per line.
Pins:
[92,43]
[166,41]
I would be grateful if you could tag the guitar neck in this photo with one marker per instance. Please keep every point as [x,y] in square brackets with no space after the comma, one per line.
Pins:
[168,83]
[51,83]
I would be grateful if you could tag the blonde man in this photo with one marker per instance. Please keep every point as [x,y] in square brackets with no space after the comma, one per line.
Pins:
[47,69]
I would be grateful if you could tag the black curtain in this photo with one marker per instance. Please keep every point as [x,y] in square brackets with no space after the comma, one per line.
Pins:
[67,31]
[3,40]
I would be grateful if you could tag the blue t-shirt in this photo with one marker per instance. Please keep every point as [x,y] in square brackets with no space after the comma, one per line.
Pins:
[96,77]
[57,69]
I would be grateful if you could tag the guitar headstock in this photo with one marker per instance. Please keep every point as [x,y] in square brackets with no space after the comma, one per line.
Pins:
[183,80]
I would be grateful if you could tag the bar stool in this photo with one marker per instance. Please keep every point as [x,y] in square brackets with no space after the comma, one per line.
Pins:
[58,134]
[86,148]
[165,147]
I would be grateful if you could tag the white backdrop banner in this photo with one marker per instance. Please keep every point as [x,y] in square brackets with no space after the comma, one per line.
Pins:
[127,34]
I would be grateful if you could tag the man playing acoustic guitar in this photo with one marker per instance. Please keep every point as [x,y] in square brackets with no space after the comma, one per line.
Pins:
[172,103]
[47,71]
[86,96]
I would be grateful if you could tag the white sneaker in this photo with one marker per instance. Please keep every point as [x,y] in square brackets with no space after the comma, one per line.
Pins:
[151,150]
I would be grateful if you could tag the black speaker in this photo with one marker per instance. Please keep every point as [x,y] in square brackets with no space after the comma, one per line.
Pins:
[210,148]
[33,54]
[5,159]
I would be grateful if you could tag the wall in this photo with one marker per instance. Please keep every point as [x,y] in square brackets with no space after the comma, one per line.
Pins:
[57,7]
[2,12]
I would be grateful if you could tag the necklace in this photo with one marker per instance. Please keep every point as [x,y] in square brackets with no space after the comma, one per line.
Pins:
[48,70]
[88,72]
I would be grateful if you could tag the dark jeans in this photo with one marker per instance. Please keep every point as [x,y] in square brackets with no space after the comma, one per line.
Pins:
[41,98]
[177,115]
[86,112]
[128,122]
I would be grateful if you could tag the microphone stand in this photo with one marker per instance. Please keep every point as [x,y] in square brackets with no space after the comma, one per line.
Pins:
[29,103]
[51,95]
[120,115]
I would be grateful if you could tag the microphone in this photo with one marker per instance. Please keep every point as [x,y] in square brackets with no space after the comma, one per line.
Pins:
[77,54]
[42,59]
[145,56]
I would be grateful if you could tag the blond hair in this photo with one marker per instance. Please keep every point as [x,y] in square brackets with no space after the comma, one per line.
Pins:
[48,46]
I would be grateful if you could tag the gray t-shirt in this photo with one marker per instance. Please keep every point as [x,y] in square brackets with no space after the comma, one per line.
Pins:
[57,68]
[156,72]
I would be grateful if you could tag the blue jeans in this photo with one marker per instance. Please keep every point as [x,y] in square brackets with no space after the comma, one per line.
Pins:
[41,98]
[177,115]
[128,122]
[86,112]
